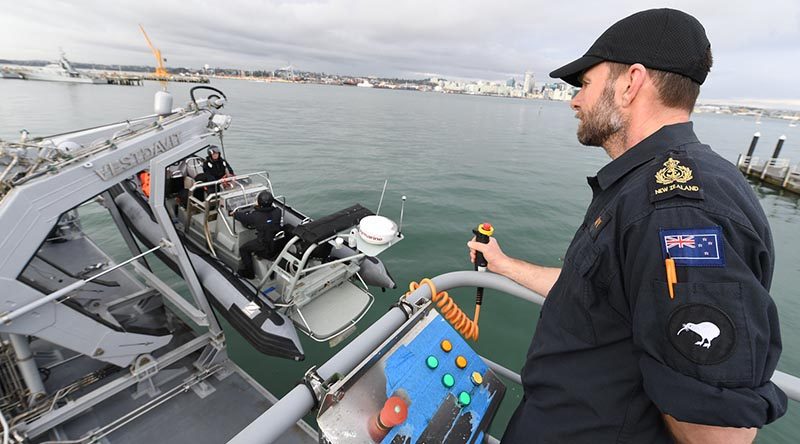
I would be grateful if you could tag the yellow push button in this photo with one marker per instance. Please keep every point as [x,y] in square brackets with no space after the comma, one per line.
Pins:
[446,346]
[477,379]
[461,362]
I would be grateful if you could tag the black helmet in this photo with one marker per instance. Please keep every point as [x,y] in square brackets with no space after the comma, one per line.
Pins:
[265,199]
[213,149]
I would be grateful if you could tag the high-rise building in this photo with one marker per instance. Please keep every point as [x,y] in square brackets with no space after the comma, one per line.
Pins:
[511,83]
[528,85]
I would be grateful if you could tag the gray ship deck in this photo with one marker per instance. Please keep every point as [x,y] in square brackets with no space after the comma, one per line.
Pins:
[211,411]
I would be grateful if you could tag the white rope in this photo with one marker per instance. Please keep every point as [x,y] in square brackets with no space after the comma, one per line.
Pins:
[5,427]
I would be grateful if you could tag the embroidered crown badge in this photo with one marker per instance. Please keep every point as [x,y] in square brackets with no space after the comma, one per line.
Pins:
[673,172]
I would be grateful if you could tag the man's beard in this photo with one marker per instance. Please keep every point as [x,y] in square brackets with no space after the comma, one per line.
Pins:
[602,122]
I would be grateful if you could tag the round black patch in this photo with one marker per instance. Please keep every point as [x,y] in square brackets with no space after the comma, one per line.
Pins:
[702,333]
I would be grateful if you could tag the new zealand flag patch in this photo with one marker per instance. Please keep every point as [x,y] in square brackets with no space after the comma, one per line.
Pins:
[693,247]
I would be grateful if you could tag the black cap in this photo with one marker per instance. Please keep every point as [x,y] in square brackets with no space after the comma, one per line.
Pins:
[662,39]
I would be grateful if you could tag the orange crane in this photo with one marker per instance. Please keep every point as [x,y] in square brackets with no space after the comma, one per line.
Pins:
[161,71]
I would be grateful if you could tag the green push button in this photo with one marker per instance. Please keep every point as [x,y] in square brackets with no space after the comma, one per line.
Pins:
[448,380]
[464,399]
[432,362]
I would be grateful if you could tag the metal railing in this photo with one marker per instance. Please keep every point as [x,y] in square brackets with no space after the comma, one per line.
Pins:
[299,401]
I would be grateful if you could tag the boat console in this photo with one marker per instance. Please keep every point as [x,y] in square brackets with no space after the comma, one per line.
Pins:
[425,369]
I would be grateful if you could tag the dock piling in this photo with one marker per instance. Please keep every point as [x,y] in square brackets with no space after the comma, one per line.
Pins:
[772,170]
[753,143]
[778,147]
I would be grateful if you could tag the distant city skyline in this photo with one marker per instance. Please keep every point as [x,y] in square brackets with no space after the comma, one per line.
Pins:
[755,43]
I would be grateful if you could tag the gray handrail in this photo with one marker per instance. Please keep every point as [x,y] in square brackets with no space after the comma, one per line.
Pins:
[299,401]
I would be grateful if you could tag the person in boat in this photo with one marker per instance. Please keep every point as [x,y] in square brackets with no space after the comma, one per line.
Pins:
[266,220]
[659,325]
[215,167]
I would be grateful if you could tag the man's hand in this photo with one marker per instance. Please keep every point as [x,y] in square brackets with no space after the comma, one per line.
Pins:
[495,257]
[535,277]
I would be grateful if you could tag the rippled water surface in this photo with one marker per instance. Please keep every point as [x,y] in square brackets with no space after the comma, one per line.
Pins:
[459,159]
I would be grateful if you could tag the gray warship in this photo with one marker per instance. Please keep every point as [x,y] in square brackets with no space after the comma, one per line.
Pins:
[99,348]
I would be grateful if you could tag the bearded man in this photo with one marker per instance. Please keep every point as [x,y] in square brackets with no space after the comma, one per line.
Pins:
[660,326]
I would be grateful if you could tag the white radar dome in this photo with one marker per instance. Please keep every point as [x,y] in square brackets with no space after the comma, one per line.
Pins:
[377,230]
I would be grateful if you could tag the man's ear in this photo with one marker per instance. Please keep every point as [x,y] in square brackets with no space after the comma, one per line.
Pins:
[632,81]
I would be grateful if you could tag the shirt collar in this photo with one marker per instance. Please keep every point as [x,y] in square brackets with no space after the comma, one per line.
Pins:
[657,143]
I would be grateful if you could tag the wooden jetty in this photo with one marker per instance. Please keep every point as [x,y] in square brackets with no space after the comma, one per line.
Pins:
[774,170]
[177,78]
[132,79]
[123,79]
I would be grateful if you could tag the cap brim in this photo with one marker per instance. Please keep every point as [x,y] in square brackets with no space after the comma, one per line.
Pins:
[571,72]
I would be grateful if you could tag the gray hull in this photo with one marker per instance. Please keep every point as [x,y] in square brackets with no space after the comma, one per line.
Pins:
[254,317]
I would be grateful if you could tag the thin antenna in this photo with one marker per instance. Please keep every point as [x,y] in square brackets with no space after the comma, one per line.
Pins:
[402,207]
[382,193]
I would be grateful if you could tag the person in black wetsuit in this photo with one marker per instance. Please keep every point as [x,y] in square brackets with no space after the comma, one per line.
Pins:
[266,220]
[214,168]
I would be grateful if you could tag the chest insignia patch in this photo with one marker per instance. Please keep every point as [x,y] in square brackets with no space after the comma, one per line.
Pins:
[599,223]
[676,177]
[693,247]
[701,333]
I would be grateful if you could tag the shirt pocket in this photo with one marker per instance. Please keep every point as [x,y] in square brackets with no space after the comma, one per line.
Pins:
[571,297]
[701,333]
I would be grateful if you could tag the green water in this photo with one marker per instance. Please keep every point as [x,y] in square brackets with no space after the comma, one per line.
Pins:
[460,160]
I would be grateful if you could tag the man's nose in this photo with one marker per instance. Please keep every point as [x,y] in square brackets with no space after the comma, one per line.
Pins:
[576,100]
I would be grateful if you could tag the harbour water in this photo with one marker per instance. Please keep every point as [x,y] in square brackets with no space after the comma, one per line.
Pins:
[460,160]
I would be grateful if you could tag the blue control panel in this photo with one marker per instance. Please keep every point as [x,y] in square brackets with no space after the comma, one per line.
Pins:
[451,391]
[448,395]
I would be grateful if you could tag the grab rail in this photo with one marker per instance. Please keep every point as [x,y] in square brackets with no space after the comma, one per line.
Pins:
[299,401]
[262,174]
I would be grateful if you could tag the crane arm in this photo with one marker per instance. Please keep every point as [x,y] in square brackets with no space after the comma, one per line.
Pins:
[161,71]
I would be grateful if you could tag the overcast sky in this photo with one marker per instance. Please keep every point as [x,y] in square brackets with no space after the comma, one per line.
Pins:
[756,44]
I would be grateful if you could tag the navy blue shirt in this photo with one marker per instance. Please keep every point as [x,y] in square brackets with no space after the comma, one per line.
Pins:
[615,348]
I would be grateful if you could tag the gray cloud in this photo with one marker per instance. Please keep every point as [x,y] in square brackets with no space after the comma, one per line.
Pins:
[755,43]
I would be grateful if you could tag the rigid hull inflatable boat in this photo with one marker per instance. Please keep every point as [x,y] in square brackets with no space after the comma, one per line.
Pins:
[94,339]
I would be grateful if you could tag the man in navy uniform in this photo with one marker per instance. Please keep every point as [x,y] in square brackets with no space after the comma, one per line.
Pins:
[660,326]
[266,220]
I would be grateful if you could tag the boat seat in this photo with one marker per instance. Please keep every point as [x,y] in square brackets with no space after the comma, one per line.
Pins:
[191,167]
